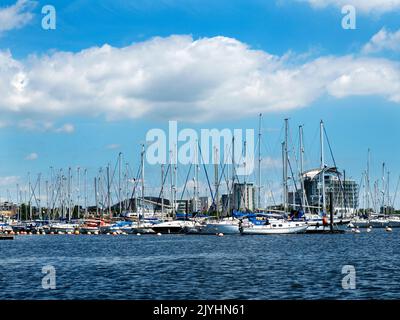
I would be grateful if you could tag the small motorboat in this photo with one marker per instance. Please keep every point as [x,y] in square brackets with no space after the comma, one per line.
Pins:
[172,227]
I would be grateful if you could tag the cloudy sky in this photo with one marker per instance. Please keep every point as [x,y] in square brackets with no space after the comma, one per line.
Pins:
[112,70]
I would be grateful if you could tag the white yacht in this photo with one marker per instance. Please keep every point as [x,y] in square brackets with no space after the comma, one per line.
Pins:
[142,227]
[173,226]
[225,226]
[60,227]
[273,227]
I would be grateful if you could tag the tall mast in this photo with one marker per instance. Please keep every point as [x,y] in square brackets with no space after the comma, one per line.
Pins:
[171,184]
[233,174]
[85,191]
[285,166]
[175,176]
[303,194]
[18,206]
[388,190]
[127,200]
[69,193]
[383,187]
[259,163]
[109,192]
[196,177]
[367,181]
[119,182]
[39,203]
[78,191]
[283,177]
[376,191]
[142,176]
[96,197]
[162,190]
[216,181]
[47,198]
[322,175]
[30,197]
[364,181]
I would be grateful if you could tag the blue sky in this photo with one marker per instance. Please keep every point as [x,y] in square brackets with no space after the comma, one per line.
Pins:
[297,35]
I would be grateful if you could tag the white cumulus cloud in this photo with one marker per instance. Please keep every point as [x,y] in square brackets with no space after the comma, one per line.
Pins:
[384,40]
[184,79]
[16,16]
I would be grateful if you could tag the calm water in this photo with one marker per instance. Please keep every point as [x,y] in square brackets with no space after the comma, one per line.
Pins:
[202,267]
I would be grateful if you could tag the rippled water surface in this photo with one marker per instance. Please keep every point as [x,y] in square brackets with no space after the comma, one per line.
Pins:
[202,267]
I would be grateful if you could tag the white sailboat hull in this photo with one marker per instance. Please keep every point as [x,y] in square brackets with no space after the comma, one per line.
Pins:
[274,228]
[215,227]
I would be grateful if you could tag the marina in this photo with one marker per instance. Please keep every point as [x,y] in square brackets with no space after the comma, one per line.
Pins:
[321,200]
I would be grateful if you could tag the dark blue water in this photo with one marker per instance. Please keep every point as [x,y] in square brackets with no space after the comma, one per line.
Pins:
[202,267]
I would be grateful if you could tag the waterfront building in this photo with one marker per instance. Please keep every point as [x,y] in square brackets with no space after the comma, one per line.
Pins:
[205,203]
[8,209]
[345,192]
[244,196]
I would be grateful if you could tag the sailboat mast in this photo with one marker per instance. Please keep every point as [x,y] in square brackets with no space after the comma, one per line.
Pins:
[367,181]
[383,187]
[171,202]
[78,191]
[283,177]
[96,196]
[39,197]
[196,178]
[233,174]
[85,192]
[119,182]
[285,166]
[388,190]
[175,176]
[303,200]
[162,191]
[127,199]
[18,205]
[322,166]
[142,176]
[109,191]
[69,193]
[259,162]
[216,181]
[30,197]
